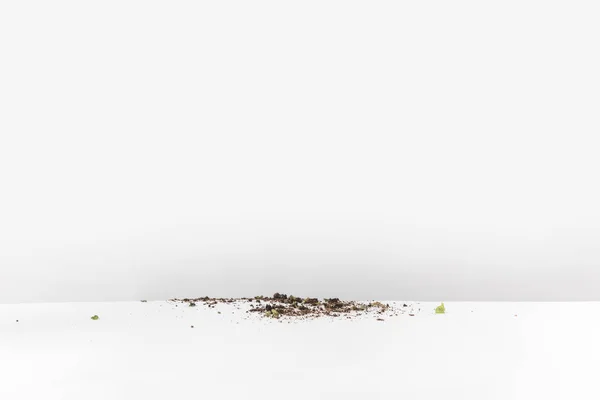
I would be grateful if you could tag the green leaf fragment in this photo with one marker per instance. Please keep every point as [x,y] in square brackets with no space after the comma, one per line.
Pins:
[272,313]
[95,317]
[440,309]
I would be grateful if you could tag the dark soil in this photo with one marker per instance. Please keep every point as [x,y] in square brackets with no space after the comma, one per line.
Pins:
[288,306]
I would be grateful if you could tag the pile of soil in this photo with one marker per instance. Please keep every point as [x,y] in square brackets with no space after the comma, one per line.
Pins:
[282,306]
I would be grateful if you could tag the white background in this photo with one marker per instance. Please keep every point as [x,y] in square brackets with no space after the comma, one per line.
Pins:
[423,150]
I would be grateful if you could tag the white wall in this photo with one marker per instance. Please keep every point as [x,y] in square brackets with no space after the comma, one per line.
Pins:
[397,150]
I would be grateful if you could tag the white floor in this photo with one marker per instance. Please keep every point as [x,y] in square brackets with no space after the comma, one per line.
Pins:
[149,351]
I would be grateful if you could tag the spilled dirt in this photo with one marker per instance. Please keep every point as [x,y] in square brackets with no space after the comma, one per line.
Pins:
[282,306]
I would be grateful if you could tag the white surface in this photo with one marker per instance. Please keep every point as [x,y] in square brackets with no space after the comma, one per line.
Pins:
[150,148]
[148,351]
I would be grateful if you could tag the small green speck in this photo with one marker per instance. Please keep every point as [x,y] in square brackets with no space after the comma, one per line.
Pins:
[440,309]
[95,317]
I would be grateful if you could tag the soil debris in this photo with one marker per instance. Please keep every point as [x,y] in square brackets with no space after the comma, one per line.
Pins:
[281,305]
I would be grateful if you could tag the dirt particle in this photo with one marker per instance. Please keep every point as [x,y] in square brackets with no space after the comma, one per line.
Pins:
[294,307]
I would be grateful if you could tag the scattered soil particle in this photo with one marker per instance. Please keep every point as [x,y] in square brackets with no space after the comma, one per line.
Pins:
[380,319]
[144,301]
[192,326]
[294,307]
